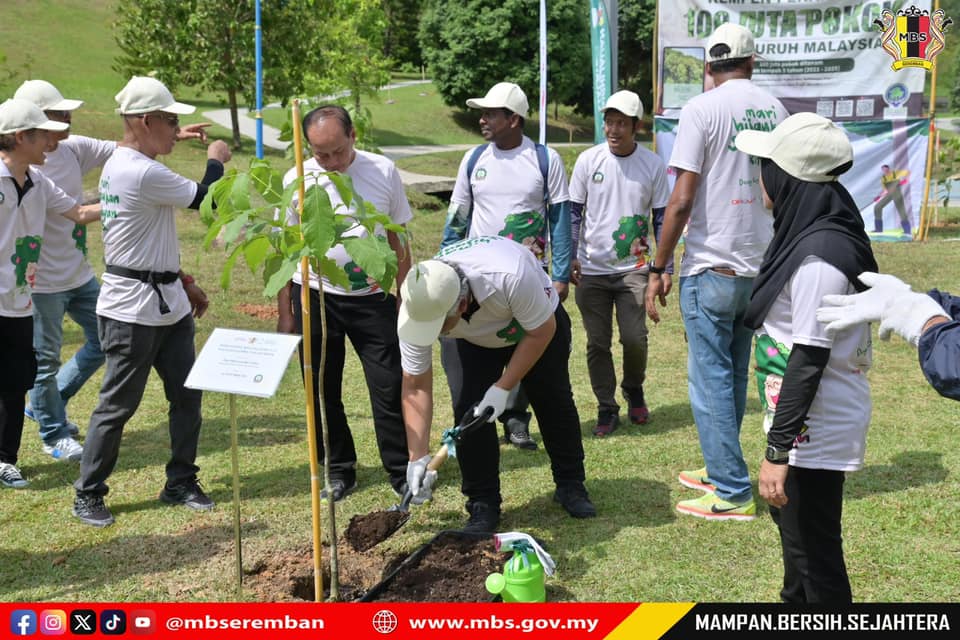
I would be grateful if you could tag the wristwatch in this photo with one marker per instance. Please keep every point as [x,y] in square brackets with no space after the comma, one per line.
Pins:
[655,269]
[776,456]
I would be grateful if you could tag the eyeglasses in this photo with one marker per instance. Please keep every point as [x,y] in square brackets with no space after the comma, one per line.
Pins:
[173,121]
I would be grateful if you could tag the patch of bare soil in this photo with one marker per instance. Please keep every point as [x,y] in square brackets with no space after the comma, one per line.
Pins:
[452,568]
[258,311]
[368,530]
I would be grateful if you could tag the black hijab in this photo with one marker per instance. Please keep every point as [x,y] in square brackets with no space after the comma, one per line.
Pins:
[809,219]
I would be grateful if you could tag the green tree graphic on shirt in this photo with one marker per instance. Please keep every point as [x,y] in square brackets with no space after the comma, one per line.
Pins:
[630,238]
[512,332]
[527,229]
[80,238]
[27,253]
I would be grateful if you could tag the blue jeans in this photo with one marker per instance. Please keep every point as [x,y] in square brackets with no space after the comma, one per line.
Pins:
[713,305]
[55,385]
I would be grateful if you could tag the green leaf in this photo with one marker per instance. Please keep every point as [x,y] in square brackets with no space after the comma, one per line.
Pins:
[255,251]
[334,272]
[317,224]
[235,227]
[375,257]
[221,191]
[286,199]
[267,181]
[240,192]
[212,232]
[228,268]
[279,279]
[344,185]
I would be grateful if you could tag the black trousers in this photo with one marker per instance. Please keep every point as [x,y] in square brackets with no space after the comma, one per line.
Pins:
[131,351]
[371,324]
[813,566]
[471,370]
[16,376]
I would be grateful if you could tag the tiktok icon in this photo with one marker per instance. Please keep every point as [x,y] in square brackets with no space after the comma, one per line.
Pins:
[113,622]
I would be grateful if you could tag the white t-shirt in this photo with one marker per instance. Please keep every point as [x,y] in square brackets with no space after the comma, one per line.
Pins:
[512,290]
[21,236]
[376,179]
[618,193]
[508,194]
[835,433]
[138,196]
[63,261]
[728,226]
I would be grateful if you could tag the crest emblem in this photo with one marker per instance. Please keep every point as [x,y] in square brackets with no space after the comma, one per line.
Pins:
[481,173]
[597,177]
[912,37]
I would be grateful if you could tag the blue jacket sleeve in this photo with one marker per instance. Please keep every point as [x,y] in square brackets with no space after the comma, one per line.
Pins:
[558,219]
[457,225]
[939,349]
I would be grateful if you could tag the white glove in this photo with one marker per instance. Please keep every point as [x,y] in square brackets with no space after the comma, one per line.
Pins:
[906,314]
[844,311]
[496,399]
[420,480]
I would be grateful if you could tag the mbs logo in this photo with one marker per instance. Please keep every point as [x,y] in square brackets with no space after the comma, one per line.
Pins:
[912,37]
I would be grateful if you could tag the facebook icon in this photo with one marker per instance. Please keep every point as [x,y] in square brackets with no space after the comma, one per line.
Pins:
[23,622]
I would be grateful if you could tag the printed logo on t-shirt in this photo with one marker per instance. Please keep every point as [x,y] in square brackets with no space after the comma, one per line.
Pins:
[755,120]
[359,278]
[463,245]
[772,360]
[512,332]
[25,258]
[480,174]
[630,239]
[108,201]
[528,229]
[79,234]
[597,177]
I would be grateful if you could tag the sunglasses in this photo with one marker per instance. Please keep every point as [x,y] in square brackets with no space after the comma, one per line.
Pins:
[173,121]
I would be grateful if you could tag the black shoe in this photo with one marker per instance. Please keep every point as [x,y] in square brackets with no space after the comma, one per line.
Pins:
[575,500]
[483,518]
[92,511]
[339,489]
[189,494]
[517,433]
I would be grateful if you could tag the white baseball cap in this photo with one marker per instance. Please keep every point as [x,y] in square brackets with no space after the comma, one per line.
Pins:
[143,95]
[429,291]
[22,115]
[626,102]
[45,95]
[807,146]
[503,95]
[739,39]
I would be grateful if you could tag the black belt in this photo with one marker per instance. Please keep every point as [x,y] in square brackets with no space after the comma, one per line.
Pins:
[153,278]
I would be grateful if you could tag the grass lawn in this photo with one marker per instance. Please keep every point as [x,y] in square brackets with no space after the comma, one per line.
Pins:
[900,511]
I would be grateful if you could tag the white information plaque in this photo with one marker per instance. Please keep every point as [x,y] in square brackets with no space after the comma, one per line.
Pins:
[249,363]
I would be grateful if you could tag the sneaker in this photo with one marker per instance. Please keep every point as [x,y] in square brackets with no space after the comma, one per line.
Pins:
[711,507]
[697,480]
[72,427]
[64,449]
[607,423]
[189,494]
[483,518]
[92,511]
[639,415]
[575,500]
[339,488]
[10,476]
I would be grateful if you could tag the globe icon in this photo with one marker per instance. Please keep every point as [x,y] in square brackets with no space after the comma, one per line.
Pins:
[385,621]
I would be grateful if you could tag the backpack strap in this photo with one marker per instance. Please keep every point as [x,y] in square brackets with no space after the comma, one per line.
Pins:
[543,159]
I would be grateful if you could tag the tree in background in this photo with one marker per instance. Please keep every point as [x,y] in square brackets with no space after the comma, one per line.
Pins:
[473,44]
[635,64]
[400,34]
[209,44]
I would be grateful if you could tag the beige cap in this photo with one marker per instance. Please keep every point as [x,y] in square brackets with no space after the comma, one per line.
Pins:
[503,95]
[22,115]
[46,96]
[143,95]
[429,291]
[807,146]
[626,102]
[739,39]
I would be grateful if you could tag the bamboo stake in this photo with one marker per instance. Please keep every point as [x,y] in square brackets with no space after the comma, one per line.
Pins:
[308,372]
[924,215]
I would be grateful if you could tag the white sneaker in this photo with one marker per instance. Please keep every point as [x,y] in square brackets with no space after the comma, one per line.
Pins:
[10,476]
[65,449]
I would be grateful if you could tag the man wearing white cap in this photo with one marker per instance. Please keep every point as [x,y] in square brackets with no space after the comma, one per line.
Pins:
[717,196]
[146,304]
[27,198]
[66,285]
[613,190]
[516,189]
[490,296]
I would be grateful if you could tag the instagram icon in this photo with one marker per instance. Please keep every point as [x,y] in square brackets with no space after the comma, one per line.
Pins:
[53,622]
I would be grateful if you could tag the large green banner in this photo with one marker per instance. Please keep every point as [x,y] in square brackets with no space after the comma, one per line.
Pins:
[602,63]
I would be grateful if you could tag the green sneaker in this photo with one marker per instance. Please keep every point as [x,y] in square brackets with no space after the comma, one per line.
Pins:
[697,480]
[711,507]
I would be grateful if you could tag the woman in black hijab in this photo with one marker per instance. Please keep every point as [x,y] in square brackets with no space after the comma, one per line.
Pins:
[812,385]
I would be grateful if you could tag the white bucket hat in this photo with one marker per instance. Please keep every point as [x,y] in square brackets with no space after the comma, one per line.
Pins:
[46,96]
[429,291]
[626,102]
[807,146]
[22,115]
[143,95]
[503,95]
[739,39]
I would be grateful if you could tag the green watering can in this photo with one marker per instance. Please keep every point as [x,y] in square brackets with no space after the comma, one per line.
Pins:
[522,579]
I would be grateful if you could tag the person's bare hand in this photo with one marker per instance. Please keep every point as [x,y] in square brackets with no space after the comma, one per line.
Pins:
[218,150]
[771,482]
[198,299]
[195,131]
